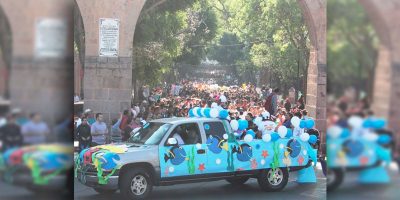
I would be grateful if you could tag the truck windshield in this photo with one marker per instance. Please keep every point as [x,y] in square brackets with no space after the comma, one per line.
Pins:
[150,133]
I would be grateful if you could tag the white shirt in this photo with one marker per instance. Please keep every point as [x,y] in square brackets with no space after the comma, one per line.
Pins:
[34,133]
[223,98]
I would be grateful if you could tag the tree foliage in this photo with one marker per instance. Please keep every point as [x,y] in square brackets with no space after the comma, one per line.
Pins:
[352,47]
[267,38]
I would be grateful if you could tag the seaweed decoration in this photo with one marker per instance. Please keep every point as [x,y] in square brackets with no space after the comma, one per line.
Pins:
[275,160]
[96,157]
[191,166]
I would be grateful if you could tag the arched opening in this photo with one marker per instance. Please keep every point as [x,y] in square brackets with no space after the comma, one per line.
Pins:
[258,70]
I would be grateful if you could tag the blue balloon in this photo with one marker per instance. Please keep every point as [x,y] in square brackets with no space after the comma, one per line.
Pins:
[345,133]
[309,123]
[199,112]
[207,112]
[223,114]
[274,136]
[379,123]
[302,123]
[313,139]
[384,139]
[191,114]
[367,123]
[251,132]
[289,133]
[243,124]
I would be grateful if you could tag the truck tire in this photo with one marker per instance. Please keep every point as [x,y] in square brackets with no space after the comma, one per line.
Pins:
[271,180]
[334,178]
[136,184]
[237,180]
[104,191]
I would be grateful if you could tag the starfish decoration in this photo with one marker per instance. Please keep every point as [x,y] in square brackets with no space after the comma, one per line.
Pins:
[264,153]
[300,160]
[364,160]
[202,167]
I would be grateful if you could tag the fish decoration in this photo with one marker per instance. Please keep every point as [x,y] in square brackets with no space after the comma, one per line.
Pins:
[216,144]
[353,148]
[176,155]
[109,160]
[244,152]
[293,147]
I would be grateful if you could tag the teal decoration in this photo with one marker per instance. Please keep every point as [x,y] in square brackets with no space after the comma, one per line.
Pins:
[191,114]
[379,123]
[199,112]
[345,133]
[367,123]
[309,123]
[207,112]
[251,132]
[313,139]
[243,124]
[274,136]
[223,114]
[303,124]
[374,175]
[384,139]
[306,175]
[289,133]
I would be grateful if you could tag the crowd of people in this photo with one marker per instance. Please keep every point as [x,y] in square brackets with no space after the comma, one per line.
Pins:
[18,129]
[175,100]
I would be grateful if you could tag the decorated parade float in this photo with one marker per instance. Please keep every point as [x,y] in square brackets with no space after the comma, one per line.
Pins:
[40,168]
[364,147]
[209,147]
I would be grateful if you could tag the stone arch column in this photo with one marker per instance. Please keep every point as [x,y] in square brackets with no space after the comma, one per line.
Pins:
[40,75]
[314,12]
[384,16]
[108,80]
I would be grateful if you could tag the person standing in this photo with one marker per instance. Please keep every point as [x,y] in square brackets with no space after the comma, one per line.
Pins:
[271,103]
[35,131]
[83,134]
[99,130]
[10,134]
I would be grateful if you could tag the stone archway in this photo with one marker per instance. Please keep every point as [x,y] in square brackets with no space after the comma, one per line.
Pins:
[108,79]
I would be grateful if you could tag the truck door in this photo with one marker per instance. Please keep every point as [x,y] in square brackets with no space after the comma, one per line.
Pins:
[188,156]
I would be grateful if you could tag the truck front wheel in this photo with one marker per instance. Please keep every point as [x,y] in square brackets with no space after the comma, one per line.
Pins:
[273,180]
[136,184]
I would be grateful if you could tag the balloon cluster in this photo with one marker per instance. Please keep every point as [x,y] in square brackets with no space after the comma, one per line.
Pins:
[302,124]
[362,127]
[208,112]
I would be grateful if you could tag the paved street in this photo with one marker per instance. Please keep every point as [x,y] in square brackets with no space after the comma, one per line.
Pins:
[351,190]
[221,190]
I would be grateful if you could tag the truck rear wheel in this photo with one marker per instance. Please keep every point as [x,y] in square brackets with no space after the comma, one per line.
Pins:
[237,180]
[334,178]
[271,180]
[136,184]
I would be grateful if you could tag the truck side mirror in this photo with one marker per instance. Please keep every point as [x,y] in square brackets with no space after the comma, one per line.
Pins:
[172,141]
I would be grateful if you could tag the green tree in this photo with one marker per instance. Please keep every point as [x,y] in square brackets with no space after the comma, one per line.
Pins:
[352,47]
